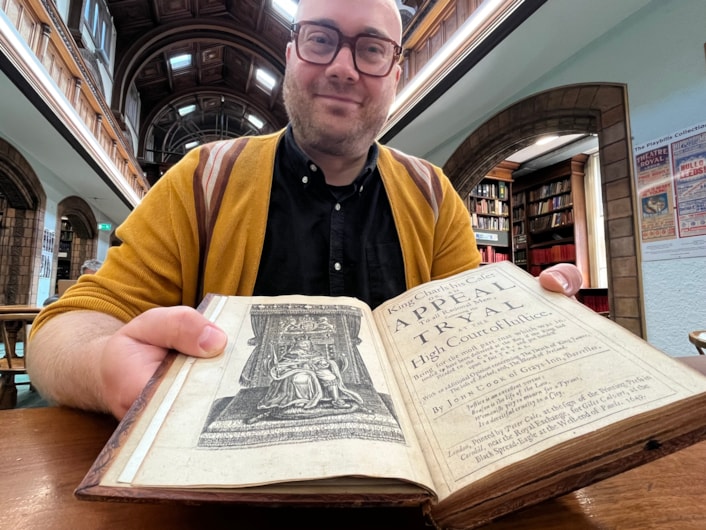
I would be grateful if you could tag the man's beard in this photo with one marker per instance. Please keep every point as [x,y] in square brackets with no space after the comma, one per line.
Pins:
[316,133]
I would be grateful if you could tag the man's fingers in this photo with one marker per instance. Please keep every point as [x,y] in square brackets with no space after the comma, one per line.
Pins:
[134,352]
[563,278]
[179,328]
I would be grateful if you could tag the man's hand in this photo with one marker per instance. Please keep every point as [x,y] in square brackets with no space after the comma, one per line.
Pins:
[93,361]
[563,278]
[134,352]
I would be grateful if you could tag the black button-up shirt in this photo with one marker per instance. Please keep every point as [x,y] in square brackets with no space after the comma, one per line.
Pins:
[329,240]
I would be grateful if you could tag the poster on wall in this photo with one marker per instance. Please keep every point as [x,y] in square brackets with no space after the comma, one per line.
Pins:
[671,190]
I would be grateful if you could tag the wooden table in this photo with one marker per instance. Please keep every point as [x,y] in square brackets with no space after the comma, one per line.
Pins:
[46,452]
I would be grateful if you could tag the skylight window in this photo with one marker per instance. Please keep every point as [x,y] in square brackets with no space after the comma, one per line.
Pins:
[265,80]
[257,122]
[180,61]
[544,140]
[186,109]
[286,8]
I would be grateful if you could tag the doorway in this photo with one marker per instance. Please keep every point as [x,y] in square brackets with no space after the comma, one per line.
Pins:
[599,109]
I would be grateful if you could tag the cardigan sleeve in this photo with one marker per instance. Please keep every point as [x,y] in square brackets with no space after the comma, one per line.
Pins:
[157,262]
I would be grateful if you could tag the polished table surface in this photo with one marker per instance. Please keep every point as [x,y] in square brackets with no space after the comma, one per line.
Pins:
[45,452]
[19,308]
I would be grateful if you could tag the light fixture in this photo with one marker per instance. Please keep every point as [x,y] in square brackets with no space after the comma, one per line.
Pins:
[178,62]
[191,145]
[257,122]
[265,80]
[186,109]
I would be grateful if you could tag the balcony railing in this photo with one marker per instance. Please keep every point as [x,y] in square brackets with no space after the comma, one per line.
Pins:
[58,57]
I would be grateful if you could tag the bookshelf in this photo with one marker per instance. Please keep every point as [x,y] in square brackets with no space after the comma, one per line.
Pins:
[519,229]
[549,217]
[490,209]
[66,238]
[596,299]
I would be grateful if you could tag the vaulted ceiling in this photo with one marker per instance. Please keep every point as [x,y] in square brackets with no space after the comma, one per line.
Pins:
[228,43]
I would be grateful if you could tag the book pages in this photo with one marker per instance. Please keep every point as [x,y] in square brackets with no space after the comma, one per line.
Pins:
[302,393]
[495,368]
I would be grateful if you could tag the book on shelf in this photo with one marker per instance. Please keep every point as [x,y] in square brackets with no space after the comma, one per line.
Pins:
[491,254]
[594,298]
[494,190]
[553,254]
[499,224]
[470,397]
[553,188]
[489,206]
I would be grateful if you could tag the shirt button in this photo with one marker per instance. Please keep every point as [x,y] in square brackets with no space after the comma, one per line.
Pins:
[337,266]
[361,189]
[313,167]
[337,207]
[305,179]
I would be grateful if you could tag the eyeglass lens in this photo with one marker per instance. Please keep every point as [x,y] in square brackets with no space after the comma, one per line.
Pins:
[320,45]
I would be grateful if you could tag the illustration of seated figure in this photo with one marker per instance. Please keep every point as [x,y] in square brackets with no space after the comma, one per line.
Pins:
[304,377]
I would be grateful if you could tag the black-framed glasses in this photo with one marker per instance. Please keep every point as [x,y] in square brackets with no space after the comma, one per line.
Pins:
[319,44]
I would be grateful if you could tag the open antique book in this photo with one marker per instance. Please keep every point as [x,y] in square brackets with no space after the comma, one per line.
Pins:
[471,397]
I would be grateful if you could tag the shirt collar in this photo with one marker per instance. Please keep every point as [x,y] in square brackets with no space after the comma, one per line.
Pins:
[305,169]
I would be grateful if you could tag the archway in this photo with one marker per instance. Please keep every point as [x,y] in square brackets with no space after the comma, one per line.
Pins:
[77,236]
[22,203]
[585,108]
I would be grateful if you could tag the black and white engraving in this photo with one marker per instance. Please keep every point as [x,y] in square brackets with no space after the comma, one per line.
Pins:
[303,380]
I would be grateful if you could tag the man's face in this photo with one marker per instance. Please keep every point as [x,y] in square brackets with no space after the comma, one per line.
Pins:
[333,108]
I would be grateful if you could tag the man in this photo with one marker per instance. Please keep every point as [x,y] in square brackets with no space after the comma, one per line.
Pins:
[318,209]
[91,266]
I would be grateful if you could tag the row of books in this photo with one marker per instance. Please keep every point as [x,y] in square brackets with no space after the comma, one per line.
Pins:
[490,223]
[520,240]
[520,257]
[493,190]
[599,303]
[488,206]
[552,221]
[553,254]
[553,188]
[490,254]
[551,204]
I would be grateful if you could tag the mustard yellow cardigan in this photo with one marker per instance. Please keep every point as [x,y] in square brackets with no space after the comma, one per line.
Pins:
[209,212]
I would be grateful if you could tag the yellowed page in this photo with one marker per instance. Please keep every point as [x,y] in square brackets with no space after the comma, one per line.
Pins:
[265,412]
[495,368]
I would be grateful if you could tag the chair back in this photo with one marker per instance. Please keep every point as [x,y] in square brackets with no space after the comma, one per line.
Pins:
[698,339]
[14,329]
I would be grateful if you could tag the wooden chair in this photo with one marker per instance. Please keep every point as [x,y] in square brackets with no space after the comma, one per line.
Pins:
[698,339]
[14,327]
